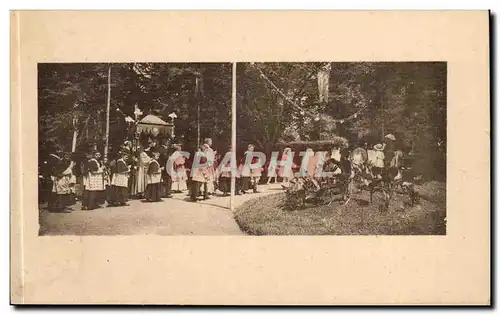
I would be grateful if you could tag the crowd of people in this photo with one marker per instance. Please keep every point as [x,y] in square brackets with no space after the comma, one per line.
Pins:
[151,173]
[154,172]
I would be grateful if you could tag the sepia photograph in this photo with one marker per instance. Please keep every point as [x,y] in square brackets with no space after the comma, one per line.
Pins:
[213,158]
[111,143]
[327,148]
[354,148]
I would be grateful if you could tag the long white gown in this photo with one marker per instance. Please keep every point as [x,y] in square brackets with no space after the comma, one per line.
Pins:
[144,160]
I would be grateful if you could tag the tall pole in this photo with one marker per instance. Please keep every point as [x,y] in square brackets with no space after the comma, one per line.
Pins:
[198,100]
[233,136]
[383,119]
[107,112]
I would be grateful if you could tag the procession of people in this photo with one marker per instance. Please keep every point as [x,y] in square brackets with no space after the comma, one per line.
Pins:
[149,173]
[155,172]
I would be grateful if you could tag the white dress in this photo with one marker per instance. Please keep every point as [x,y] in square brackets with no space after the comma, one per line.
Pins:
[144,160]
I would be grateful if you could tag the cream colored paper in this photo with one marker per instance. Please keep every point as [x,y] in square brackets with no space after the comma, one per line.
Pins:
[329,270]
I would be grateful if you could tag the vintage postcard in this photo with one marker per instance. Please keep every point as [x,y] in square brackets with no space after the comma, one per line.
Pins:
[242,158]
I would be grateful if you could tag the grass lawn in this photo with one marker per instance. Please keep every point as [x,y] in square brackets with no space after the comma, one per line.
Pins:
[266,216]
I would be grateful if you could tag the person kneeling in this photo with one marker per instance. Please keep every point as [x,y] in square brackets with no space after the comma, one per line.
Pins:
[120,181]
[153,179]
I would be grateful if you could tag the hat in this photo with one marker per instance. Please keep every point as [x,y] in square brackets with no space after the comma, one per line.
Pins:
[124,150]
[391,137]
[378,147]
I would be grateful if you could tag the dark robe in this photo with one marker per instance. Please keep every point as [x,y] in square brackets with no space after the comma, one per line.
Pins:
[85,194]
[197,182]
[120,193]
[225,179]
[94,196]
[245,182]
[60,201]
[166,190]
[153,190]
[108,192]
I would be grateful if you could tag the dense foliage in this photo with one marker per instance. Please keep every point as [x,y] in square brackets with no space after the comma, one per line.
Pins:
[407,99]
[68,91]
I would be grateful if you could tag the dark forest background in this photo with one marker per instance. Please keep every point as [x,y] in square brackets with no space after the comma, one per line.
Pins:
[407,99]
[69,90]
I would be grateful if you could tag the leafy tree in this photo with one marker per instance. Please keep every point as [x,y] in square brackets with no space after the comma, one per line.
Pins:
[407,99]
[69,91]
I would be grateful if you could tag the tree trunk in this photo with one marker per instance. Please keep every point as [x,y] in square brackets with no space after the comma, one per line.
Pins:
[107,113]
[73,144]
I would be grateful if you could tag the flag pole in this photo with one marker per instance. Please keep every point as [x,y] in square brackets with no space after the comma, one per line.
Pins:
[107,113]
[198,99]
[233,137]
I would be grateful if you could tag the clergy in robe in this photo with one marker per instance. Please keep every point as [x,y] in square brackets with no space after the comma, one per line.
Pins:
[199,175]
[95,182]
[287,167]
[209,185]
[61,177]
[85,181]
[120,180]
[153,188]
[225,174]
[107,175]
[166,179]
[72,178]
[250,177]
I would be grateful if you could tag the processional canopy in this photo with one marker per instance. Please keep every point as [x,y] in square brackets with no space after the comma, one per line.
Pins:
[154,125]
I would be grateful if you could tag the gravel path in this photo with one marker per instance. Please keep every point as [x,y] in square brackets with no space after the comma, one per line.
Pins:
[174,216]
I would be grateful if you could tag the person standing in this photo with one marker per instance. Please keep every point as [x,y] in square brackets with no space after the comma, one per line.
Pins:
[166,180]
[153,188]
[178,176]
[68,160]
[101,197]
[141,173]
[244,172]
[250,176]
[151,147]
[378,158]
[272,172]
[85,181]
[120,180]
[225,174]
[107,175]
[95,182]
[389,148]
[313,162]
[209,186]
[62,173]
[199,175]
